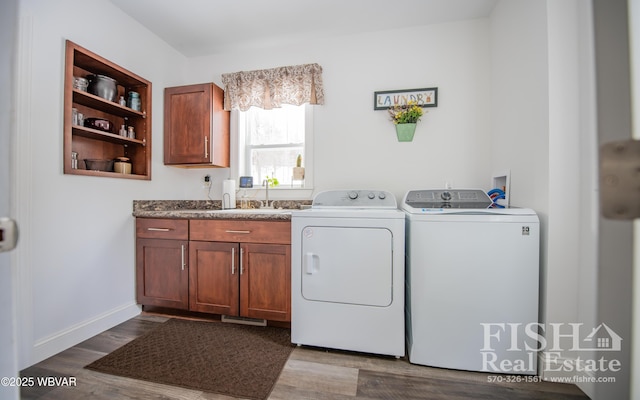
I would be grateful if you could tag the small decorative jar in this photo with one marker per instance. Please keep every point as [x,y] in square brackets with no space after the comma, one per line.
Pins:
[134,101]
[132,133]
[80,83]
[122,165]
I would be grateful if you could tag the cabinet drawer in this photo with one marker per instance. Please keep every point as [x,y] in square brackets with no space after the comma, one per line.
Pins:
[241,231]
[153,228]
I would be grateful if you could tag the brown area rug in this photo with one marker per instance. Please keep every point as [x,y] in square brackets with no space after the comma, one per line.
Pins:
[235,360]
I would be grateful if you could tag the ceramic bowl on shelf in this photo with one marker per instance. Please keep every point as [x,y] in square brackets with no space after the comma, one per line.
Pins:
[98,165]
[103,86]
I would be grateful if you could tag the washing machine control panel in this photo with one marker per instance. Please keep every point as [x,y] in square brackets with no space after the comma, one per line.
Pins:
[354,199]
[446,198]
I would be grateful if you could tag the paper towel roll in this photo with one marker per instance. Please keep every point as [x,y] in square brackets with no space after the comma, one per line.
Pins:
[228,193]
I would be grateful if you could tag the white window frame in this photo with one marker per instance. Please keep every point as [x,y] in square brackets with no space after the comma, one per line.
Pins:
[297,191]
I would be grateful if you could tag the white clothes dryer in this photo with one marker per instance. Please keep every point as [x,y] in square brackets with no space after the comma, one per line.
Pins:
[347,273]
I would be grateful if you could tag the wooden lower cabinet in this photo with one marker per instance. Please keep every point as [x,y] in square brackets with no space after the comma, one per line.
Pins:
[213,279]
[241,279]
[265,281]
[179,266]
[162,273]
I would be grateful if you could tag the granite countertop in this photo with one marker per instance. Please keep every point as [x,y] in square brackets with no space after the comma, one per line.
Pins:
[211,209]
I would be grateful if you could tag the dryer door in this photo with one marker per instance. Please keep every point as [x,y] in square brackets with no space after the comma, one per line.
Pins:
[351,265]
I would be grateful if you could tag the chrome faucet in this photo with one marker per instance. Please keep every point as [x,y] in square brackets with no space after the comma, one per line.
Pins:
[266,204]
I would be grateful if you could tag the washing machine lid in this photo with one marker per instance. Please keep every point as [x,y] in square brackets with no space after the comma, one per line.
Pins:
[418,201]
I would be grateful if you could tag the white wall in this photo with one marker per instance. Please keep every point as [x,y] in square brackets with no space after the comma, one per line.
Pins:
[76,259]
[520,113]
[564,166]
[355,146]
[520,100]
[544,99]
[588,175]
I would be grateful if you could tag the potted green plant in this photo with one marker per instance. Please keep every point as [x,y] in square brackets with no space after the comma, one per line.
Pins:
[272,182]
[405,117]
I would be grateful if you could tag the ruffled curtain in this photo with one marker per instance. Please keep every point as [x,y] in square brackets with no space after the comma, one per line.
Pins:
[270,88]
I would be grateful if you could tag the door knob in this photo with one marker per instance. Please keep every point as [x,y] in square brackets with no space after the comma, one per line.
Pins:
[8,234]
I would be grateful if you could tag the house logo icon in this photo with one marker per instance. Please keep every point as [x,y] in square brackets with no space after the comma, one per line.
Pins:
[602,338]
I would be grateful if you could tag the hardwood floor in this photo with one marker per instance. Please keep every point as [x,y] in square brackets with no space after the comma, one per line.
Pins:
[310,374]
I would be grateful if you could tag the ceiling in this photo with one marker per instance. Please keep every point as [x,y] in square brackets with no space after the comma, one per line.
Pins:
[203,27]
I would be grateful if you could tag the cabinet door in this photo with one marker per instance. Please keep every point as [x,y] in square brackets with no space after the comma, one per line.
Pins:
[265,281]
[162,273]
[196,128]
[213,277]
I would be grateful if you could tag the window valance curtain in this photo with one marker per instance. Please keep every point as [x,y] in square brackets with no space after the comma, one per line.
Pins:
[270,88]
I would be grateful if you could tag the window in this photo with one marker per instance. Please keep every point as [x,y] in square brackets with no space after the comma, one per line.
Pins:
[270,142]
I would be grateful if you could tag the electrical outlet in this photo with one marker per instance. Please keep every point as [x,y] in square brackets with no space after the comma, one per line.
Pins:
[206,181]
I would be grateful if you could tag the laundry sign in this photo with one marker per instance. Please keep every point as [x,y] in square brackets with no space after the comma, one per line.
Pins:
[426,97]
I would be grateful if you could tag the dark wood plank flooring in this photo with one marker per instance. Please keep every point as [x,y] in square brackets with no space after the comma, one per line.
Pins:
[310,374]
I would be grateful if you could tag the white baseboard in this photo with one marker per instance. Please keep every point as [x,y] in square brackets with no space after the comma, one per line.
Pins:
[60,341]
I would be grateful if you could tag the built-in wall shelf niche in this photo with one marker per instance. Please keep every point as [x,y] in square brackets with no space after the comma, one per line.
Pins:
[86,142]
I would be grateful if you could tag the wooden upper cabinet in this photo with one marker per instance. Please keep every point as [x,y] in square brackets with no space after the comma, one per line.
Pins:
[86,142]
[196,127]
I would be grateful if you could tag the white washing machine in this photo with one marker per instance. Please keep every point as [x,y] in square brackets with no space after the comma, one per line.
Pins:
[347,273]
[472,282]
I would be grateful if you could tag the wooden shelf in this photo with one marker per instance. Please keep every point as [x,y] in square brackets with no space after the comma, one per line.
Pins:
[93,101]
[91,143]
[87,172]
[106,136]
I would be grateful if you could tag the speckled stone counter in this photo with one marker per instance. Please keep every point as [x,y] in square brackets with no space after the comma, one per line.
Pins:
[211,209]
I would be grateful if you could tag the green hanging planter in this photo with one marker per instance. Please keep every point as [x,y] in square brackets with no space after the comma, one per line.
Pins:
[405,132]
